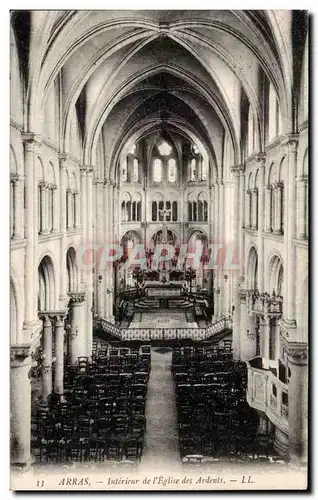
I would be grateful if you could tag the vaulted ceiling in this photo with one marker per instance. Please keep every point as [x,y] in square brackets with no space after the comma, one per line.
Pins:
[137,71]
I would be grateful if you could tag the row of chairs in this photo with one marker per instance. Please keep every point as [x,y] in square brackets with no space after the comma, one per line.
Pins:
[101,415]
[213,416]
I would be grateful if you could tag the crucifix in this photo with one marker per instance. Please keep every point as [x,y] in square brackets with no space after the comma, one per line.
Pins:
[164,212]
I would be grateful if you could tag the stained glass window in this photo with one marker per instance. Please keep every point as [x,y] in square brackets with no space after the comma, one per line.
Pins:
[204,171]
[172,170]
[124,172]
[164,149]
[157,170]
[135,170]
[192,169]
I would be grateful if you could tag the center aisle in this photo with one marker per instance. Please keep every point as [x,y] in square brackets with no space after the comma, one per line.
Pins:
[161,450]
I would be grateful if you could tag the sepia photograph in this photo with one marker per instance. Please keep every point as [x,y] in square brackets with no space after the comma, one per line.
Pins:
[159,208]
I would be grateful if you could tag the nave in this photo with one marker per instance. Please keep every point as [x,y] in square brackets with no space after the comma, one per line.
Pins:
[151,408]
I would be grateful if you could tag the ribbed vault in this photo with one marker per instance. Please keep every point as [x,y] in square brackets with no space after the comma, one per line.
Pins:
[129,72]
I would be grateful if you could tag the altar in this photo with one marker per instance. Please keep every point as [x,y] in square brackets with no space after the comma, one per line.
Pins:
[163,290]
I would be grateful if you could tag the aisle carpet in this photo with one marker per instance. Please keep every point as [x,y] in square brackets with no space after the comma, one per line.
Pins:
[161,443]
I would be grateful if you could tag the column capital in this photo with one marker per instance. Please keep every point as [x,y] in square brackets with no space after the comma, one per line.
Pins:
[297,352]
[98,182]
[15,178]
[77,298]
[62,157]
[19,352]
[31,139]
[303,179]
[58,317]
[87,169]
[45,316]
[290,141]
[236,169]
[261,159]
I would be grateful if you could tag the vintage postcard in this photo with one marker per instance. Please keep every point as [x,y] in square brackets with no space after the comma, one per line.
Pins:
[159,250]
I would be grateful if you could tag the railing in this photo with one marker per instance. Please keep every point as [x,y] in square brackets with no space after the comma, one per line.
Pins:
[266,393]
[164,333]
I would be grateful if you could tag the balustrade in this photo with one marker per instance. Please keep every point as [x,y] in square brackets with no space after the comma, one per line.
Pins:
[267,393]
[164,333]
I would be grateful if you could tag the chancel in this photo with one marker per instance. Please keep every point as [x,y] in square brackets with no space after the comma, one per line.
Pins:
[178,141]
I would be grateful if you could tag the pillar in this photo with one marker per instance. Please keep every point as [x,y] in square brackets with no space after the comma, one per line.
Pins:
[55,209]
[261,216]
[62,201]
[267,203]
[30,268]
[90,239]
[69,209]
[247,330]
[77,334]
[241,220]
[264,337]
[254,194]
[20,406]
[44,208]
[235,231]
[47,358]
[18,208]
[59,353]
[301,208]
[77,211]
[216,238]
[278,209]
[84,217]
[289,246]
[247,209]
[298,403]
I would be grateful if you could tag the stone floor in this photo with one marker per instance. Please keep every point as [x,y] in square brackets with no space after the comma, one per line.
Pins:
[163,318]
[161,444]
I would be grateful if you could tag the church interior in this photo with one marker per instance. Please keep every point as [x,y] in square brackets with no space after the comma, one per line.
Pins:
[159,237]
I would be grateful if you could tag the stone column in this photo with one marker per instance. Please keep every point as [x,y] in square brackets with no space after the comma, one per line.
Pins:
[77,211]
[298,403]
[84,216]
[235,231]
[17,186]
[20,406]
[90,238]
[247,209]
[261,173]
[264,337]
[241,220]
[267,201]
[289,247]
[216,236]
[62,202]
[45,213]
[30,267]
[247,330]
[301,204]
[69,209]
[59,353]
[42,207]
[221,296]
[278,209]
[56,210]
[77,333]
[47,358]
[254,194]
